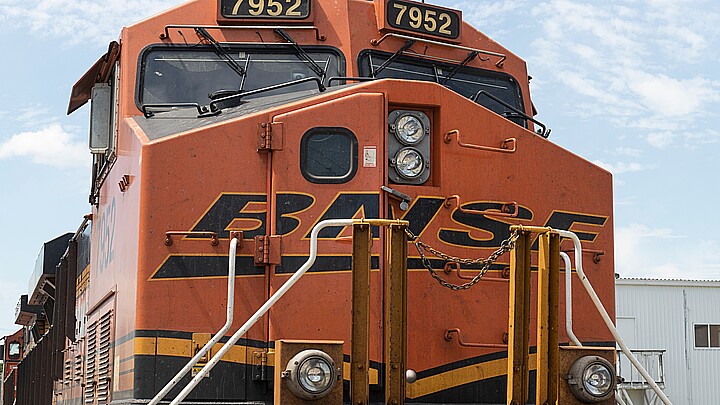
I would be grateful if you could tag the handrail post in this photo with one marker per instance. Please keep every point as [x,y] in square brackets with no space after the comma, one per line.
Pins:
[360,344]
[519,321]
[568,300]
[546,388]
[396,315]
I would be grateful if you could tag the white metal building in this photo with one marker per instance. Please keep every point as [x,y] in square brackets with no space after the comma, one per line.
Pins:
[673,326]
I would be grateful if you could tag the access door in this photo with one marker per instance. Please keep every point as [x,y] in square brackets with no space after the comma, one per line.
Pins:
[329,166]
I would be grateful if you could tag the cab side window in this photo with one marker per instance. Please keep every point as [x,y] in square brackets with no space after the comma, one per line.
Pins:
[13,350]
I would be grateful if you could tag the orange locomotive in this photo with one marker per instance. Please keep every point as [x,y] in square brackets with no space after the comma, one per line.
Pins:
[266,117]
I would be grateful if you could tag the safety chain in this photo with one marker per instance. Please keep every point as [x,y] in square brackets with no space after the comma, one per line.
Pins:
[506,246]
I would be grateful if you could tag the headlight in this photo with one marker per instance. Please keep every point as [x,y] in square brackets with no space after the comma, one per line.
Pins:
[312,374]
[315,375]
[409,163]
[597,379]
[591,379]
[409,130]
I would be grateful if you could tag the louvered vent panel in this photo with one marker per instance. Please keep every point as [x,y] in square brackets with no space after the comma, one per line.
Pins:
[90,359]
[78,369]
[68,371]
[103,367]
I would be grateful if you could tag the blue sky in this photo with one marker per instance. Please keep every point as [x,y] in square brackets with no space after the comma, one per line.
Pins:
[630,85]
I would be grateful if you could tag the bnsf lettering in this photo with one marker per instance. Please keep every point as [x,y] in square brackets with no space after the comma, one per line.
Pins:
[498,231]
[246,212]
[287,206]
[348,206]
[565,220]
[230,213]
[422,213]
[235,212]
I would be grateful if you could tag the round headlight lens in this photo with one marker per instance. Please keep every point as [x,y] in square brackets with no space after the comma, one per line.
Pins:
[409,163]
[311,374]
[597,379]
[409,129]
[591,379]
[315,375]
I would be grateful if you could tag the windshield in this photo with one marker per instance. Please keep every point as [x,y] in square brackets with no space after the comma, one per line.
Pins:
[170,75]
[467,81]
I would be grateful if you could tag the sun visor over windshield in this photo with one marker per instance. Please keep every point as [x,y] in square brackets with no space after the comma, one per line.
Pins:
[98,73]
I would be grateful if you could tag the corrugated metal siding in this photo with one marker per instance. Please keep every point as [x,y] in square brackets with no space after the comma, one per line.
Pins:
[704,307]
[692,375]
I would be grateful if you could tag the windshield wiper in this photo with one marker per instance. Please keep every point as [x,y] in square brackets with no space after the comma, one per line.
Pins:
[392,58]
[228,98]
[148,113]
[471,56]
[301,54]
[219,51]
[217,105]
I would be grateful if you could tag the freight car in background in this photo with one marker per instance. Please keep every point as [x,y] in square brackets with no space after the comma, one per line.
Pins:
[240,126]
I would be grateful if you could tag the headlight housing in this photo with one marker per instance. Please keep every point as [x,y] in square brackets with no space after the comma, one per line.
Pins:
[592,379]
[311,374]
[409,147]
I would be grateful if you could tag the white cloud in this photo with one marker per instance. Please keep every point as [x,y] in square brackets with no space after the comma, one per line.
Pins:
[631,61]
[667,96]
[692,140]
[50,146]
[31,113]
[658,252]
[703,137]
[489,16]
[694,43]
[622,167]
[661,140]
[632,152]
[79,21]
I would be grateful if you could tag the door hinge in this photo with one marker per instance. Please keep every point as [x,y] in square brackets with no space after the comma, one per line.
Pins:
[260,366]
[270,136]
[268,249]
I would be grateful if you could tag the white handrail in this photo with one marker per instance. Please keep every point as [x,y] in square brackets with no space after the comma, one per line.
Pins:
[626,397]
[568,299]
[619,400]
[263,309]
[606,317]
[228,322]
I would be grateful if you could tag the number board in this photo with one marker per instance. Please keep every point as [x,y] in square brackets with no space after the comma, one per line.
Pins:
[423,18]
[269,9]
